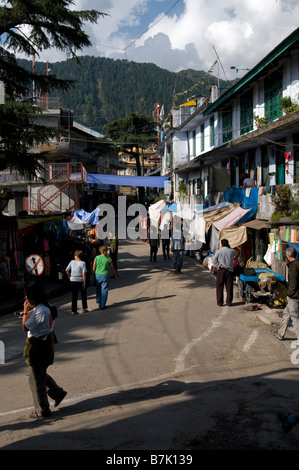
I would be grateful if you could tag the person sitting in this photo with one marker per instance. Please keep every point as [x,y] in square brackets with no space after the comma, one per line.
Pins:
[248,182]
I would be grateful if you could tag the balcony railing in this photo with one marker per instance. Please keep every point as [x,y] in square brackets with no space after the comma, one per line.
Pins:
[52,172]
[7,176]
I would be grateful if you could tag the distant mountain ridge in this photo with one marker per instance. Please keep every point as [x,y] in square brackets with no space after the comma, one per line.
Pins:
[108,89]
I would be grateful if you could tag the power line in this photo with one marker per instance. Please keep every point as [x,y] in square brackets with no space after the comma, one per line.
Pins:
[150,27]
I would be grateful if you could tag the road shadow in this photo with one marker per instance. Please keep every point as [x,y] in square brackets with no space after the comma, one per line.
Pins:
[235,414]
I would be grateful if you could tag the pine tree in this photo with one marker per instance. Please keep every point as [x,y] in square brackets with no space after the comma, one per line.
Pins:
[30,27]
[131,135]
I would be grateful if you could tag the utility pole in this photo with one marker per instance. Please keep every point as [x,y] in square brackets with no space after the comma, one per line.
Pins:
[219,62]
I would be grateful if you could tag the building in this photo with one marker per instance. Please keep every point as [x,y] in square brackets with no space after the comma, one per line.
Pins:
[252,128]
[62,185]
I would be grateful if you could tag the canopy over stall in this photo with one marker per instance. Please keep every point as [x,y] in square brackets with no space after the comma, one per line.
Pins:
[81,218]
[123,180]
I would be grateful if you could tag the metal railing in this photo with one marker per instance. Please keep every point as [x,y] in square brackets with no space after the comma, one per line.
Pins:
[54,172]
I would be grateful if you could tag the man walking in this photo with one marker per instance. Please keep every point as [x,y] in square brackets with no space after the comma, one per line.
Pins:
[291,311]
[223,260]
[177,247]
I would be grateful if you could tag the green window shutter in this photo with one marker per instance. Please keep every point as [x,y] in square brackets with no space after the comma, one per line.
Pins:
[273,94]
[194,142]
[202,134]
[246,118]
[227,124]
[265,166]
[212,132]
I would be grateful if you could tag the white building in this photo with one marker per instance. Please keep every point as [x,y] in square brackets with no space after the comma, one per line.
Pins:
[246,130]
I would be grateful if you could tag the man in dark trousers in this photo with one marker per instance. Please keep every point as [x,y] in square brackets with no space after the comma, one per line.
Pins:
[291,312]
[177,246]
[223,260]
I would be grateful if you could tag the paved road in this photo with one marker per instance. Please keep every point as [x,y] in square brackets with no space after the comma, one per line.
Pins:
[163,368]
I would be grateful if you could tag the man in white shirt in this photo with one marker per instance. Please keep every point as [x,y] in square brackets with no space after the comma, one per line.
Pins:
[223,260]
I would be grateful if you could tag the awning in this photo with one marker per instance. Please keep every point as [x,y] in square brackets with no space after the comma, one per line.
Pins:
[294,245]
[218,214]
[29,220]
[230,219]
[122,180]
[188,103]
[257,224]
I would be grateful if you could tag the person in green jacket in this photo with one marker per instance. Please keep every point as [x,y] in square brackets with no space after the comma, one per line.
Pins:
[101,268]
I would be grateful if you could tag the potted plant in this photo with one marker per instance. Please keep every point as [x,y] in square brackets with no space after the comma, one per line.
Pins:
[287,105]
[182,188]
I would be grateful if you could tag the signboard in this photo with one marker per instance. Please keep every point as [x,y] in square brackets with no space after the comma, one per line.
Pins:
[167,187]
[34,265]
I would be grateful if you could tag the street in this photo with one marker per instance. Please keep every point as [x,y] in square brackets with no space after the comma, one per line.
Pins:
[163,368]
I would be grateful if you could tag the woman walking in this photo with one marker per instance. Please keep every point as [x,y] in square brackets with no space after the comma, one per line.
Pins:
[37,321]
[76,271]
[101,266]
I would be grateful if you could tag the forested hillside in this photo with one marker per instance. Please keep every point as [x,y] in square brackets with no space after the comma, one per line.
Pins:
[108,89]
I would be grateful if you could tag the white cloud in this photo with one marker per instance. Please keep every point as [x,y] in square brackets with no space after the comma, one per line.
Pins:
[241,32]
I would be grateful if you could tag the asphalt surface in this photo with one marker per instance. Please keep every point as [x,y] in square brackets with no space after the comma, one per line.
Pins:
[162,369]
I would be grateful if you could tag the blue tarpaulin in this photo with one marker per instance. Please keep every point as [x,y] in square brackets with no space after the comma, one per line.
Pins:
[122,180]
[170,207]
[88,217]
[248,198]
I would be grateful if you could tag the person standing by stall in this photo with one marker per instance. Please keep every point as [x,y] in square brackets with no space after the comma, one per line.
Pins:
[224,261]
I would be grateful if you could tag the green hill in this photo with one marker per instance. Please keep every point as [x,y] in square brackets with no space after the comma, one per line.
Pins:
[108,89]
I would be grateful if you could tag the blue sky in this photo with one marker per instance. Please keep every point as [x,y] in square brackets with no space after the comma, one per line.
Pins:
[151,14]
[242,32]
[182,34]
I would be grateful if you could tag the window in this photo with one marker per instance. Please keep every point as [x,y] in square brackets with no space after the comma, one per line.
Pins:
[265,166]
[227,124]
[246,108]
[202,137]
[212,132]
[280,163]
[194,142]
[273,94]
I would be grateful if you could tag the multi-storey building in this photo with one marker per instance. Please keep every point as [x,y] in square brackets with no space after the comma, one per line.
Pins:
[62,185]
[251,128]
